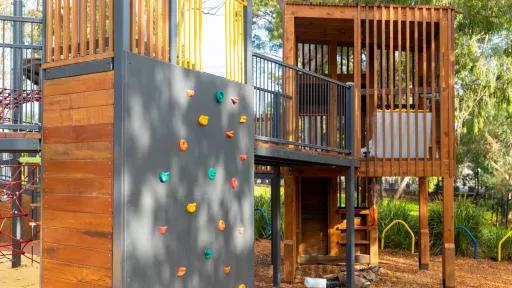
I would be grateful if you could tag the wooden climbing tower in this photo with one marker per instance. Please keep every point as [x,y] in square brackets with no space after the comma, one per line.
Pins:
[401,61]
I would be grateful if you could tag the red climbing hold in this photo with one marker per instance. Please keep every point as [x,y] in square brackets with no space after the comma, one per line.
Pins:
[163,230]
[243,157]
[234,183]
[235,100]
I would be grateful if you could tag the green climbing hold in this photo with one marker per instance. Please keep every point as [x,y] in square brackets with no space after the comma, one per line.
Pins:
[164,176]
[208,253]
[212,173]
[219,96]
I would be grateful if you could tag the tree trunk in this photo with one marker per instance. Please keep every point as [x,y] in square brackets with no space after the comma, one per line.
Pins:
[401,188]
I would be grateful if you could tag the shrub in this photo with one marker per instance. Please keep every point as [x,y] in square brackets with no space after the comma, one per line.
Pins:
[491,236]
[397,237]
[262,200]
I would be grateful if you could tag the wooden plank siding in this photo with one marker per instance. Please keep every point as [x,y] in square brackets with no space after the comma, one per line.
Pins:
[78,181]
[402,69]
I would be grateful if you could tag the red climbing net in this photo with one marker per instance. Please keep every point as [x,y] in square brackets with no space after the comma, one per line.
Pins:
[11,100]
[18,183]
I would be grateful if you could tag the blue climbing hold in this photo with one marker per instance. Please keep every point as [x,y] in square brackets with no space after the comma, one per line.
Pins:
[212,173]
[164,176]
[219,96]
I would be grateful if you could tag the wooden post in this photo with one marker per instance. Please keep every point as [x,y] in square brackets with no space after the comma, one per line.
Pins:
[276,233]
[290,227]
[448,234]
[373,222]
[424,257]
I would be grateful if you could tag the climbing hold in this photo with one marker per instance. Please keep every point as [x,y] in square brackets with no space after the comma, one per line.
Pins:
[227,269]
[219,96]
[221,225]
[234,183]
[203,120]
[241,230]
[235,100]
[208,253]
[181,271]
[191,207]
[243,157]
[212,173]
[191,92]
[183,145]
[242,286]
[243,119]
[164,176]
[230,134]
[163,230]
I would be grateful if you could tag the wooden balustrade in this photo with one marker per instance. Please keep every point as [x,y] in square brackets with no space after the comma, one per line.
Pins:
[78,31]
[149,28]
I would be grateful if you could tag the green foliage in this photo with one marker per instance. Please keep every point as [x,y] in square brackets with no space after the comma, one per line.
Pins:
[491,237]
[262,200]
[397,237]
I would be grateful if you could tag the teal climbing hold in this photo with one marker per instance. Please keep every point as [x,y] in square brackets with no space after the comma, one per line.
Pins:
[212,173]
[208,253]
[219,96]
[164,176]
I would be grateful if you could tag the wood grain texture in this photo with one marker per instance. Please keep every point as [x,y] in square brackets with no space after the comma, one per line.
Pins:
[87,256]
[79,100]
[76,220]
[84,83]
[79,134]
[72,203]
[99,277]
[91,186]
[78,237]
[79,151]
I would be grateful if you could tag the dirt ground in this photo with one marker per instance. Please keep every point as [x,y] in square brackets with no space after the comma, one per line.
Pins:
[26,276]
[398,269]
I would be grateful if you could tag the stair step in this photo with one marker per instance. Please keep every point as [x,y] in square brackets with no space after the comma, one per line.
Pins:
[356,228]
[361,211]
[358,242]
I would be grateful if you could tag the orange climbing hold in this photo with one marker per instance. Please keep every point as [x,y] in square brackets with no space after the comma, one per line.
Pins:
[181,271]
[235,100]
[163,230]
[243,157]
[227,269]
[183,145]
[221,225]
[203,120]
[234,183]
[230,134]
[191,92]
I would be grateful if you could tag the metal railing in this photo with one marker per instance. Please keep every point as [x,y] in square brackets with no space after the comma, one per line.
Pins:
[20,62]
[293,106]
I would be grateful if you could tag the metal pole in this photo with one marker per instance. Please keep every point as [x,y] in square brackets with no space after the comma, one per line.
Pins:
[275,199]
[17,83]
[349,193]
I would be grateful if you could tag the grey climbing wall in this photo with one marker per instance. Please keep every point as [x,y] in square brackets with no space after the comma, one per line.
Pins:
[159,112]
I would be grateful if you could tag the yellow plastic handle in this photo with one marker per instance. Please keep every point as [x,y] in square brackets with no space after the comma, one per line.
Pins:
[413,239]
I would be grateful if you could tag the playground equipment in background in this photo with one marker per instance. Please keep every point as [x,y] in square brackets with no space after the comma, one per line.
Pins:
[22,182]
[475,244]
[509,234]
[413,239]
[267,233]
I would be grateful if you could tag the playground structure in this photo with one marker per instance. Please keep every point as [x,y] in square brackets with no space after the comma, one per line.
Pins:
[401,61]
[142,149]
[20,98]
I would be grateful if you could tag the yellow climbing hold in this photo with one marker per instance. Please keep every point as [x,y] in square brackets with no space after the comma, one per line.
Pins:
[181,271]
[221,225]
[243,119]
[242,286]
[203,120]
[191,92]
[191,207]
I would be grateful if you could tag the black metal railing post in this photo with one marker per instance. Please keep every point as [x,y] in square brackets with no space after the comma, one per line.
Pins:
[349,132]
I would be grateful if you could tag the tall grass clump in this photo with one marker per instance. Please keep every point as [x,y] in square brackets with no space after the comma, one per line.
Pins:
[262,200]
[466,214]
[491,237]
[397,236]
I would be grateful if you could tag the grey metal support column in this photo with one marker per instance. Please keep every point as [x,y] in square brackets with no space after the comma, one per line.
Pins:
[17,83]
[275,199]
[121,46]
[248,42]
[349,193]
[173,30]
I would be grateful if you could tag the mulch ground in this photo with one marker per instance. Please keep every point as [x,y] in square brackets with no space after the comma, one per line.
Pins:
[398,269]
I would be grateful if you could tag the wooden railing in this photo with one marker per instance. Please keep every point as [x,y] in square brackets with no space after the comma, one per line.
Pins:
[78,31]
[149,28]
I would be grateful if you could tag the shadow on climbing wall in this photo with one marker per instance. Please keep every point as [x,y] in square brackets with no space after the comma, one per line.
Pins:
[169,243]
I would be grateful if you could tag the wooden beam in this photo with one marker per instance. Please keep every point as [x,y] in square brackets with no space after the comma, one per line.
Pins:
[448,234]
[424,256]
[290,227]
